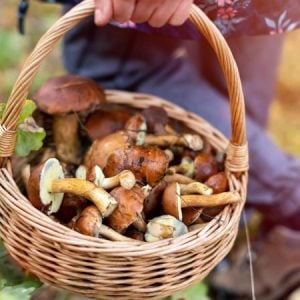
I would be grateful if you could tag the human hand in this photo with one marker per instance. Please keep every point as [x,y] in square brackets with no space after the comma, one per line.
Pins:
[156,12]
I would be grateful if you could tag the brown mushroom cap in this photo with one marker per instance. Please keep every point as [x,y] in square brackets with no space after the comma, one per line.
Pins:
[103,148]
[130,204]
[156,118]
[90,221]
[102,123]
[171,200]
[218,182]
[148,164]
[205,166]
[68,93]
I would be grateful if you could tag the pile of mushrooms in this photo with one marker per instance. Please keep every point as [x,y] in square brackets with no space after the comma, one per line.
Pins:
[120,174]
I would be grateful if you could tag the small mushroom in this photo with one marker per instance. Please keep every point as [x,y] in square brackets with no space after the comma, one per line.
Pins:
[164,227]
[64,97]
[191,214]
[125,179]
[135,234]
[101,149]
[156,119]
[90,223]
[129,208]
[136,129]
[148,164]
[205,166]
[70,208]
[186,167]
[173,201]
[192,141]
[102,123]
[153,200]
[47,186]
[218,182]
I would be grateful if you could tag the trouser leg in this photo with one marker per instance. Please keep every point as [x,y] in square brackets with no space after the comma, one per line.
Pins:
[136,61]
[258,58]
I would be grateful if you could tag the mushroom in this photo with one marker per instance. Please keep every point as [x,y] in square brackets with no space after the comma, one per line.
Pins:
[64,97]
[156,118]
[192,141]
[191,214]
[152,201]
[135,234]
[218,182]
[47,186]
[126,178]
[70,208]
[186,167]
[205,166]
[102,123]
[178,178]
[173,201]
[148,164]
[90,223]
[101,149]
[129,209]
[136,129]
[164,227]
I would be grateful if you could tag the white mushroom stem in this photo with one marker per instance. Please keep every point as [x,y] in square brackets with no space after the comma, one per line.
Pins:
[211,200]
[192,141]
[25,174]
[178,178]
[195,188]
[112,235]
[126,178]
[65,135]
[103,200]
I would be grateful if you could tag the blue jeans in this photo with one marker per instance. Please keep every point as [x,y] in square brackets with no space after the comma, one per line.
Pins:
[187,74]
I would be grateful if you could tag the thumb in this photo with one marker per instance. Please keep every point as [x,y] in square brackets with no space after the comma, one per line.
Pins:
[103,12]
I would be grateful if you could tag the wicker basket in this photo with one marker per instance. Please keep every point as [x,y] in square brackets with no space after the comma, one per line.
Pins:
[121,270]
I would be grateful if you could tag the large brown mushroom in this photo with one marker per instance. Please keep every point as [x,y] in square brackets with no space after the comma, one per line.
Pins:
[129,209]
[173,201]
[47,186]
[64,97]
[148,164]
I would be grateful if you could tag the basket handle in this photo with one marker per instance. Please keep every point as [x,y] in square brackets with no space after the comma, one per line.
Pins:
[237,156]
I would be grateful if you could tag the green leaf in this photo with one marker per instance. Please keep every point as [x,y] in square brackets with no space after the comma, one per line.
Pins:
[27,111]
[21,291]
[197,292]
[28,141]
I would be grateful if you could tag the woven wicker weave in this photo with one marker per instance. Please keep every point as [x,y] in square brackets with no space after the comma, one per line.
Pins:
[121,270]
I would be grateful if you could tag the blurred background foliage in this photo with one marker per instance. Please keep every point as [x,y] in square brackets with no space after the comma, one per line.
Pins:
[284,121]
